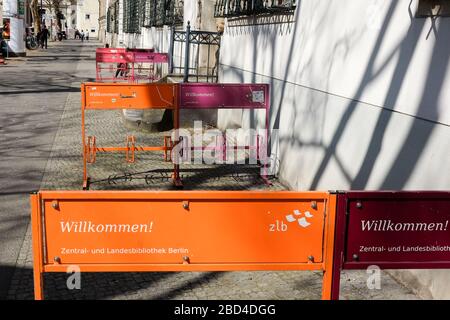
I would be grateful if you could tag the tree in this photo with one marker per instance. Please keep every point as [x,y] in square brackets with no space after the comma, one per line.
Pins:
[34,7]
[55,6]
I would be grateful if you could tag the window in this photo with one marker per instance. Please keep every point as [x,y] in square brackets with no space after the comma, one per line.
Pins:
[157,13]
[116,19]
[131,16]
[88,16]
[92,30]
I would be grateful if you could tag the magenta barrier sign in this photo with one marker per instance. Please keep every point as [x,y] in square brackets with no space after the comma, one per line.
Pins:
[212,96]
[397,229]
[391,230]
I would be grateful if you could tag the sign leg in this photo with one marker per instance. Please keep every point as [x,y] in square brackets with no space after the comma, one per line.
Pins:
[37,247]
[335,283]
[329,247]
[38,285]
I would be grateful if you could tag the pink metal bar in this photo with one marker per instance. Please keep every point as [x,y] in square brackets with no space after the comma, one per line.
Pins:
[151,57]
[110,50]
[119,57]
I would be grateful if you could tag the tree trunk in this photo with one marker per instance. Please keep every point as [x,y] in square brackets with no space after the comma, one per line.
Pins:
[34,6]
[56,4]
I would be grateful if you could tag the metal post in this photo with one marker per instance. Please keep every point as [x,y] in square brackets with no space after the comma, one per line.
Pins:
[186,53]
[171,49]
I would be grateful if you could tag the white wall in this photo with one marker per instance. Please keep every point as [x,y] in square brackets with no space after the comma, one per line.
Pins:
[360,94]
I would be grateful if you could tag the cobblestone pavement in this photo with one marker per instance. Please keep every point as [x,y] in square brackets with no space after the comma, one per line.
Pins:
[64,171]
[33,92]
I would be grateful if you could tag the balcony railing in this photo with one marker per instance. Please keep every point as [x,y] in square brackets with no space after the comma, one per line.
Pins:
[239,8]
[131,16]
[158,13]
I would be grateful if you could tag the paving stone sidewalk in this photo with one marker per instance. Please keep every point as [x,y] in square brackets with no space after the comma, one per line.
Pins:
[64,171]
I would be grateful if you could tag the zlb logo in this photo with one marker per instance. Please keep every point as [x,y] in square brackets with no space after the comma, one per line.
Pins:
[301,218]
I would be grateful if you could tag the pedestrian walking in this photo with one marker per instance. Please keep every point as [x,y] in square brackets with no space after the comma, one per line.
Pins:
[82,35]
[44,37]
[87,35]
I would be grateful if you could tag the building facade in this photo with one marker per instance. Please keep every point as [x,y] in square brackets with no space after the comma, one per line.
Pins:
[13,26]
[87,17]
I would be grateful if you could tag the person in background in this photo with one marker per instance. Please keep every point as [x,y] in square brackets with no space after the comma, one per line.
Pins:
[87,35]
[82,35]
[44,37]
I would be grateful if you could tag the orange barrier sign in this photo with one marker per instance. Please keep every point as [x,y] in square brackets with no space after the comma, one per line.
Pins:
[108,231]
[111,96]
[123,96]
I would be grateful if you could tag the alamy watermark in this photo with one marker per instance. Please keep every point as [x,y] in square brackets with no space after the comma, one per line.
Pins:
[232,146]
[74,280]
[374,279]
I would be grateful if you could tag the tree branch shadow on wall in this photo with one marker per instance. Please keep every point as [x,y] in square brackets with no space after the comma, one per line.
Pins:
[418,135]
[421,129]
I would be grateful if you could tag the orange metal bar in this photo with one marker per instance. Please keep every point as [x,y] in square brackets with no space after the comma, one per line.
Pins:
[184,195]
[38,262]
[185,267]
[329,246]
[83,135]
[131,142]
[91,149]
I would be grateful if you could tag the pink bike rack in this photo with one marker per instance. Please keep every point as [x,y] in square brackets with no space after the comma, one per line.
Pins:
[229,96]
[132,65]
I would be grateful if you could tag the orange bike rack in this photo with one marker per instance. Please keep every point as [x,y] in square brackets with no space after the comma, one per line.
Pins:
[142,231]
[112,96]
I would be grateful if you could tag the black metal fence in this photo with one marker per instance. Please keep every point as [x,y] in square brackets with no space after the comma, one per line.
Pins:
[195,54]
[144,13]
[132,15]
[239,8]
